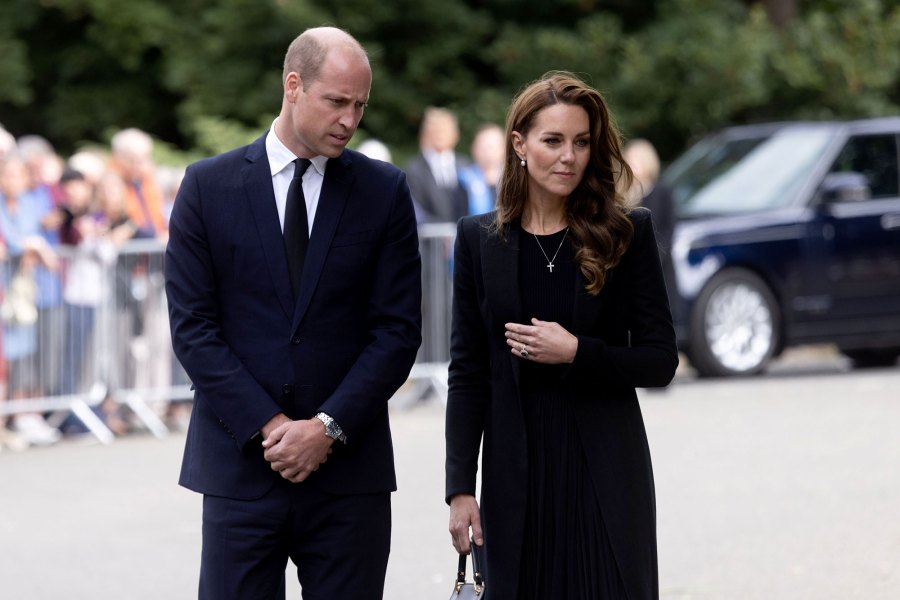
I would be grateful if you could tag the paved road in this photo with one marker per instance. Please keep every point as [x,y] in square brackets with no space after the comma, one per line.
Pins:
[783,486]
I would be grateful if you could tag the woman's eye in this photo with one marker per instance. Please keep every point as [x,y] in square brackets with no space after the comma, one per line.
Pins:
[583,143]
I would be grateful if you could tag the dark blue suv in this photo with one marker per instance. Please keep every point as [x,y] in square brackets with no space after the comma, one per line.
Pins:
[788,233]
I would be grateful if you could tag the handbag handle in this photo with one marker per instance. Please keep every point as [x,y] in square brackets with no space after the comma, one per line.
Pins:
[476,570]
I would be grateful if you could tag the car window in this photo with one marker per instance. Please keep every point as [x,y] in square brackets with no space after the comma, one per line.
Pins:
[768,177]
[875,156]
[705,162]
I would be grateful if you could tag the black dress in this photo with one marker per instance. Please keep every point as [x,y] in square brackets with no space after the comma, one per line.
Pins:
[566,553]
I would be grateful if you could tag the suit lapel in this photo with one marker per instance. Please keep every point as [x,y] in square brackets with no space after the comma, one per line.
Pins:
[500,265]
[257,180]
[332,200]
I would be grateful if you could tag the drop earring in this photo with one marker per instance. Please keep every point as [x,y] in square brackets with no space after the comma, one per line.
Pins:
[522,162]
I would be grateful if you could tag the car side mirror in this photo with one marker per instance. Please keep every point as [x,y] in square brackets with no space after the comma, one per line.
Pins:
[848,186]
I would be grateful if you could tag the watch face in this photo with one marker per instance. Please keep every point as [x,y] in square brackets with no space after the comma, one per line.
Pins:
[330,429]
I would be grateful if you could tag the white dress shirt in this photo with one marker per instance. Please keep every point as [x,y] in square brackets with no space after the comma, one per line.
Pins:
[443,167]
[281,165]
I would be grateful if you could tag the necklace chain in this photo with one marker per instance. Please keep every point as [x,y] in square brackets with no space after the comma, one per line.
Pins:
[550,264]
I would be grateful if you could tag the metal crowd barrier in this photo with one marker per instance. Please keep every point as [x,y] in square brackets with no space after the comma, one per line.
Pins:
[96,330]
[429,373]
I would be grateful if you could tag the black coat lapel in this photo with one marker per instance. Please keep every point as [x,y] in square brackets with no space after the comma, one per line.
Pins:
[257,179]
[500,268]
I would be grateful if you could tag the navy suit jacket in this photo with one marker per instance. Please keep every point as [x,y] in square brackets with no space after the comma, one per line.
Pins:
[343,347]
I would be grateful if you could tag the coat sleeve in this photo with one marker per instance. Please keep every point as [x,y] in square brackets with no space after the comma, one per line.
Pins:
[394,319]
[469,373]
[649,357]
[239,402]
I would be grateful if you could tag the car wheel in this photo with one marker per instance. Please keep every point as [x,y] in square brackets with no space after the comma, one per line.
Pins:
[872,357]
[734,325]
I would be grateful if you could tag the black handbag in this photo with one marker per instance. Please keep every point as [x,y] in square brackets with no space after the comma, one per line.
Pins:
[468,591]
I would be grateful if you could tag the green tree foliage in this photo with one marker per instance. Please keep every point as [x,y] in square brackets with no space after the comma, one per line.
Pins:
[205,75]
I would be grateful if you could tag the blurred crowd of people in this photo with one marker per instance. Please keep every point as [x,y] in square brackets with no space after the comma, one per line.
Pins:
[87,206]
[61,223]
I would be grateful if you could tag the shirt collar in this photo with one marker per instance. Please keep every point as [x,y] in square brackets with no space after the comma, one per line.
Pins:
[280,157]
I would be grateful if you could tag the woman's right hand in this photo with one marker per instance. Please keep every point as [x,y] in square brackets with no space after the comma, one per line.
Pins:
[464,515]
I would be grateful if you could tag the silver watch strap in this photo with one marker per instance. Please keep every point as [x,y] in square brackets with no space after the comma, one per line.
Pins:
[332,429]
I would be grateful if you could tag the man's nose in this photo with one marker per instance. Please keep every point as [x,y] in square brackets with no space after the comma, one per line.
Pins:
[350,117]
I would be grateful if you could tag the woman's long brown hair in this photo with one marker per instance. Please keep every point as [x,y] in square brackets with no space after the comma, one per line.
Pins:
[595,210]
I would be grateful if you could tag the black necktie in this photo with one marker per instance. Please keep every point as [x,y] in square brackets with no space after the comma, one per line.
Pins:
[296,225]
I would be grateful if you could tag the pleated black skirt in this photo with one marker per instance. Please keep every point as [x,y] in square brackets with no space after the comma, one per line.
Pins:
[566,553]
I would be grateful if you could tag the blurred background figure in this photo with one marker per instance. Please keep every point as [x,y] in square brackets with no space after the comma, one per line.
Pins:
[110,193]
[132,157]
[480,179]
[168,180]
[45,166]
[143,299]
[22,210]
[433,174]
[84,275]
[92,251]
[90,163]
[647,190]
[375,149]
[7,143]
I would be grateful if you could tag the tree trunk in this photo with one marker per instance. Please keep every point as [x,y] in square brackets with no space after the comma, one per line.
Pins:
[781,12]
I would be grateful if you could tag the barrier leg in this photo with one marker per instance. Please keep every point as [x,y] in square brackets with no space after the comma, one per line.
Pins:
[93,423]
[146,415]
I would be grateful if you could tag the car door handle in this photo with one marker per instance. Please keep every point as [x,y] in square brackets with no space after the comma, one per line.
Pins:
[890,222]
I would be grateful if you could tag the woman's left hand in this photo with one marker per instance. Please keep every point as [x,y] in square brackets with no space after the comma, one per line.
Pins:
[542,341]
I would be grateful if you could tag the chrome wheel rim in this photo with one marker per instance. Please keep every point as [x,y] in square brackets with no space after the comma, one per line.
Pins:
[739,328]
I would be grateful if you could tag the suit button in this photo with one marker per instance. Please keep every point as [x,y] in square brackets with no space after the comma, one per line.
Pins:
[287,389]
[295,340]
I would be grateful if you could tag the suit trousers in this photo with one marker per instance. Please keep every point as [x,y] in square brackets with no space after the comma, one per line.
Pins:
[339,544]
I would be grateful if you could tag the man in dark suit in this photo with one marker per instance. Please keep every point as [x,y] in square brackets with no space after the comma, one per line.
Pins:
[648,190]
[294,293]
[434,172]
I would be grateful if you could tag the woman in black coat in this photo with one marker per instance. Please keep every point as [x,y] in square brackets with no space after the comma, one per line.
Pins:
[559,312]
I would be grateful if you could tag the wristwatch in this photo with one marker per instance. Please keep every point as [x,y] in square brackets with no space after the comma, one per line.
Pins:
[332,429]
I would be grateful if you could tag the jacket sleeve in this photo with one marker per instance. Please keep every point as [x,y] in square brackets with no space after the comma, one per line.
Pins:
[394,319]
[239,402]
[469,373]
[649,356]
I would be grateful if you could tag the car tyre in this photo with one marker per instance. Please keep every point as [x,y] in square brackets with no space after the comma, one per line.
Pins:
[735,325]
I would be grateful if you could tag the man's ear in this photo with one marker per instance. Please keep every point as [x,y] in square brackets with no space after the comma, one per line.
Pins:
[292,85]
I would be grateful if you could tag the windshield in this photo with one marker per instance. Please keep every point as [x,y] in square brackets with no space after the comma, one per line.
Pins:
[748,175]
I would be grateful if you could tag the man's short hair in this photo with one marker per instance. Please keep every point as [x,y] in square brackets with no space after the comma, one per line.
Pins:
[307,53]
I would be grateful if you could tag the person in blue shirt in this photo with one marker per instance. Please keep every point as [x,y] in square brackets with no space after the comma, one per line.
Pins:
[480,179]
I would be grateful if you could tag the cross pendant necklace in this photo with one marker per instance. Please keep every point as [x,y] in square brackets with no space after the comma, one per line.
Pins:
[550,264]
